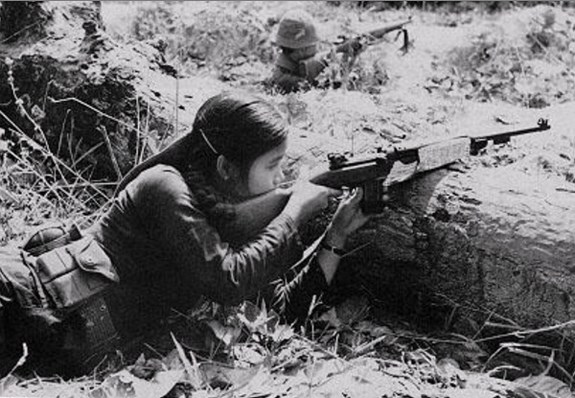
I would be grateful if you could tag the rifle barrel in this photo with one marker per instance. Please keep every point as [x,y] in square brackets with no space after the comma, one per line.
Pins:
[542,125]
[380,32]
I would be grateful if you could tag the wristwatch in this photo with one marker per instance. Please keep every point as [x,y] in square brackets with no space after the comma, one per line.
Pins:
[335,250]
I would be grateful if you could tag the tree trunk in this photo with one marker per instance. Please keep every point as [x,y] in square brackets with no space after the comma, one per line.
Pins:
[492,236]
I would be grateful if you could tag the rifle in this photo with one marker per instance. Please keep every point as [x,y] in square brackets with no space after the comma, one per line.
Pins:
[372,37]
[375,174]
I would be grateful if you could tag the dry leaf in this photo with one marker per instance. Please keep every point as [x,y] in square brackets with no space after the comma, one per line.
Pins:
[226,334]
[192,371]
[125,384]
[541,387]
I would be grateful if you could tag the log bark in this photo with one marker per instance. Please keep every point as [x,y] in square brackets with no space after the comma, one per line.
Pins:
[484,248]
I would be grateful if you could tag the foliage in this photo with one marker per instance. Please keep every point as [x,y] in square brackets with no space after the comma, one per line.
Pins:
[218,36]
[535,70]
[336,355]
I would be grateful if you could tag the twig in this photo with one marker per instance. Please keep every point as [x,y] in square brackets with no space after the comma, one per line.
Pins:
[317,346]
[542,358]
[72,99]
[522,333]
[176,125]
[73,187]
[22,359]
[46,94]
[137,154]
[352,251]
[75,161]
[88,184]
[61,139]
[147,130]
[191,370]
[362,349]
[104,132]
[40,21]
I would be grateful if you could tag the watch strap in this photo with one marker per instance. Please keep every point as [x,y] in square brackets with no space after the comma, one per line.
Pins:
[335,250]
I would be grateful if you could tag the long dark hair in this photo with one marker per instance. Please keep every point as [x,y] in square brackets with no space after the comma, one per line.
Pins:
[235,124]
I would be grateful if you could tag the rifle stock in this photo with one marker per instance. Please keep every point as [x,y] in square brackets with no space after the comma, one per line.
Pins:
[374,173]
[254,214]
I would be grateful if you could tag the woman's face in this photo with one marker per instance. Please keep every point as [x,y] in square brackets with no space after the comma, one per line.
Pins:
[266,171]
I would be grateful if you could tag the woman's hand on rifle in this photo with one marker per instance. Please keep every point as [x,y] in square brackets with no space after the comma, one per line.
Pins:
[347,219]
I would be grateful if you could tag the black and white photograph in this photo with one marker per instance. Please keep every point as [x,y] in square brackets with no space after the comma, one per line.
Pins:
[287,199]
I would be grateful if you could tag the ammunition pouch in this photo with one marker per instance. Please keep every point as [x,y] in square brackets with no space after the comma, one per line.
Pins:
[75,272]
[61,294]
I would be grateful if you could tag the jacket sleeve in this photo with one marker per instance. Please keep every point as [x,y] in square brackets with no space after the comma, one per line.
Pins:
[223,273]
[311,68]
[286,81]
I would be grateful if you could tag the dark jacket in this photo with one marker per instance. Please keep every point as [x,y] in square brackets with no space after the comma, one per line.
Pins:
[163,246]
[166,255]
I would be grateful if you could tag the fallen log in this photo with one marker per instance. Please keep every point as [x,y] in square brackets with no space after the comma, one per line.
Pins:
[494,238]
[485,248]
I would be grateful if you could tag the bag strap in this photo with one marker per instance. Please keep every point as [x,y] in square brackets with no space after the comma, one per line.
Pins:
[70,234]
[30,264]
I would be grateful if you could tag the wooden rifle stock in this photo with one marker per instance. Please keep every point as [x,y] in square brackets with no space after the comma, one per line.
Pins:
[254,214]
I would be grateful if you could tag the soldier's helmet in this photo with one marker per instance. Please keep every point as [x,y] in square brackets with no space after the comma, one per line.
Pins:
[296,30]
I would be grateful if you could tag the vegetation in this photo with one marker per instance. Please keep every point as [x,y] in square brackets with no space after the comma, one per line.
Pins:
[519,55]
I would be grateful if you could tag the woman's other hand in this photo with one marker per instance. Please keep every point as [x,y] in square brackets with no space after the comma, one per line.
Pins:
[307,200]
